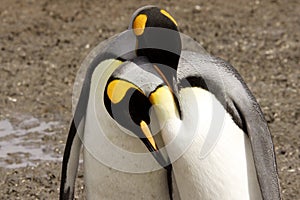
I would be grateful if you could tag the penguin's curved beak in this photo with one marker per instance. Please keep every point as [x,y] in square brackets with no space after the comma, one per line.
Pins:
[148,135]
[149,141]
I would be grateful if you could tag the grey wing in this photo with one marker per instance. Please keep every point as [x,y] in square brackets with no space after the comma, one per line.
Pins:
[120,47]
[220,78]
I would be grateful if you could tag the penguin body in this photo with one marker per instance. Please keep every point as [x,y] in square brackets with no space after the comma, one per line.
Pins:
[104,51]
[240,163]
[105,181]
[167,109]
[229,162]
[227,86]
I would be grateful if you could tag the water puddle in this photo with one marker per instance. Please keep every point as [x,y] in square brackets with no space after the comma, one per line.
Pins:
[25,142]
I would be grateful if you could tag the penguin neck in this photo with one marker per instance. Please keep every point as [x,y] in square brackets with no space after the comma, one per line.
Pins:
[162,47]
[166,111]
[166,61]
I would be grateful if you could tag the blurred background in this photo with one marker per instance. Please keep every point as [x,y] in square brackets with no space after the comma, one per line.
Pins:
[43,43]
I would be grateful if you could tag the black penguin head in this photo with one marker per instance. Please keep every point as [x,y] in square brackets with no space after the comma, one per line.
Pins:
[158,39]
[126,98]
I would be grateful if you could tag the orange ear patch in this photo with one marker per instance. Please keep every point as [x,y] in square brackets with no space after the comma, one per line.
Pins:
[139,24]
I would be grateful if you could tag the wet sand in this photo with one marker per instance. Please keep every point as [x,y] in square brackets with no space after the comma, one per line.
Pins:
[44,42]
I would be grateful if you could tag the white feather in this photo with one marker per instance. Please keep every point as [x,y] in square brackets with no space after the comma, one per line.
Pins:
[216,159]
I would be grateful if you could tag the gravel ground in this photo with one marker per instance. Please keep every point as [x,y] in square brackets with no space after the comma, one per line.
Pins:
[44,42]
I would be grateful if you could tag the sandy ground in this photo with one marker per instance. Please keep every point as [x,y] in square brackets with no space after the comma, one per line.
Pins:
[43,43]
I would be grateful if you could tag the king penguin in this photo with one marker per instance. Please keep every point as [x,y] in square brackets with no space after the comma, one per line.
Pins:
[213,141]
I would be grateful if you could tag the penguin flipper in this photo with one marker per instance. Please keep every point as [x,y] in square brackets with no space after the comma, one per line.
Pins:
[70,162]
[76,131]
[220,78]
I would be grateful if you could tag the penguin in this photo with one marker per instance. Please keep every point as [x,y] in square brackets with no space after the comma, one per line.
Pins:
[102,180]
[213,134]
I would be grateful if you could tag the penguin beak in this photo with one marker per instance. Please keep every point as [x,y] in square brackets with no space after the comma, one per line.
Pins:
[150,143]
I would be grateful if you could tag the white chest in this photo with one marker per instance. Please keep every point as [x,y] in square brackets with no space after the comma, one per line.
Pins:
[213,157]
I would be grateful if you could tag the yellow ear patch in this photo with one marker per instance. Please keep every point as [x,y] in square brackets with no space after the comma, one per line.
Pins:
[168,16]
[139,24]
[116,90]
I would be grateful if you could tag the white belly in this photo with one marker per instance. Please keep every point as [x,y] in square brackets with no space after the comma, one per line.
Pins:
[218,164]
[106,180]
[102,182]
